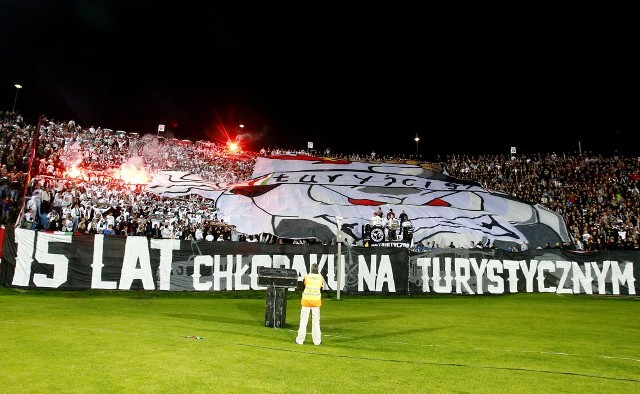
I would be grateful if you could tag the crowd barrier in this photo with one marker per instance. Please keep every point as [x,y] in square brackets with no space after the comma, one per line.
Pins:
[64,261]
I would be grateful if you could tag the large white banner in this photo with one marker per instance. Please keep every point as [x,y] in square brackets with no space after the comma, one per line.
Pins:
[300,197]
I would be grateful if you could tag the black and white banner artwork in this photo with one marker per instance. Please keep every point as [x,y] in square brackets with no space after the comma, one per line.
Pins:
[298,197]
[63,261]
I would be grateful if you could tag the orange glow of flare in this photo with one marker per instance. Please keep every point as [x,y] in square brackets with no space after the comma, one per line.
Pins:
[74,173]
[233,147]
[132,175]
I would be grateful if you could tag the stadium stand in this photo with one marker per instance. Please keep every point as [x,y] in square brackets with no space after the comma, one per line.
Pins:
[65,177]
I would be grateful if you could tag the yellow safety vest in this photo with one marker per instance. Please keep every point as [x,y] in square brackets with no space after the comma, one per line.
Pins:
[311,295]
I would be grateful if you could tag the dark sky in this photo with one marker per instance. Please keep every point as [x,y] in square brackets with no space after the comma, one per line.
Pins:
[465,80]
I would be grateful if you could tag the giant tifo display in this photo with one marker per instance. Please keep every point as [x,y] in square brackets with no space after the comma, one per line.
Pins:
[301,197]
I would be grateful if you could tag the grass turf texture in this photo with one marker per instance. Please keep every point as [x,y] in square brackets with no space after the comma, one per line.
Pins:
[121,342]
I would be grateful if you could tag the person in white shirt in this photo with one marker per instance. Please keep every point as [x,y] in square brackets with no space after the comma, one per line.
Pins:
[101,225]
[376,220]
[92,226]
[34,203]
[111,221]
[198,234]
[166,232]
[57,202]
[69,227]
[75,215]
[67,199]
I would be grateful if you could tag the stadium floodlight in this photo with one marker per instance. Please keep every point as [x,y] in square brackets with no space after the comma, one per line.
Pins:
[15,99]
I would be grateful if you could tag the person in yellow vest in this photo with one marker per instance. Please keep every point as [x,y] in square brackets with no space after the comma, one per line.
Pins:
[311,302]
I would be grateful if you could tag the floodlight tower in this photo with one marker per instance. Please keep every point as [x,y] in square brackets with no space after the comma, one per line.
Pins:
[15,99]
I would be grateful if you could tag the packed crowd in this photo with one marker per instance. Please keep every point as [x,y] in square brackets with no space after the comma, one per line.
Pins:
[81,181]
[597,196]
